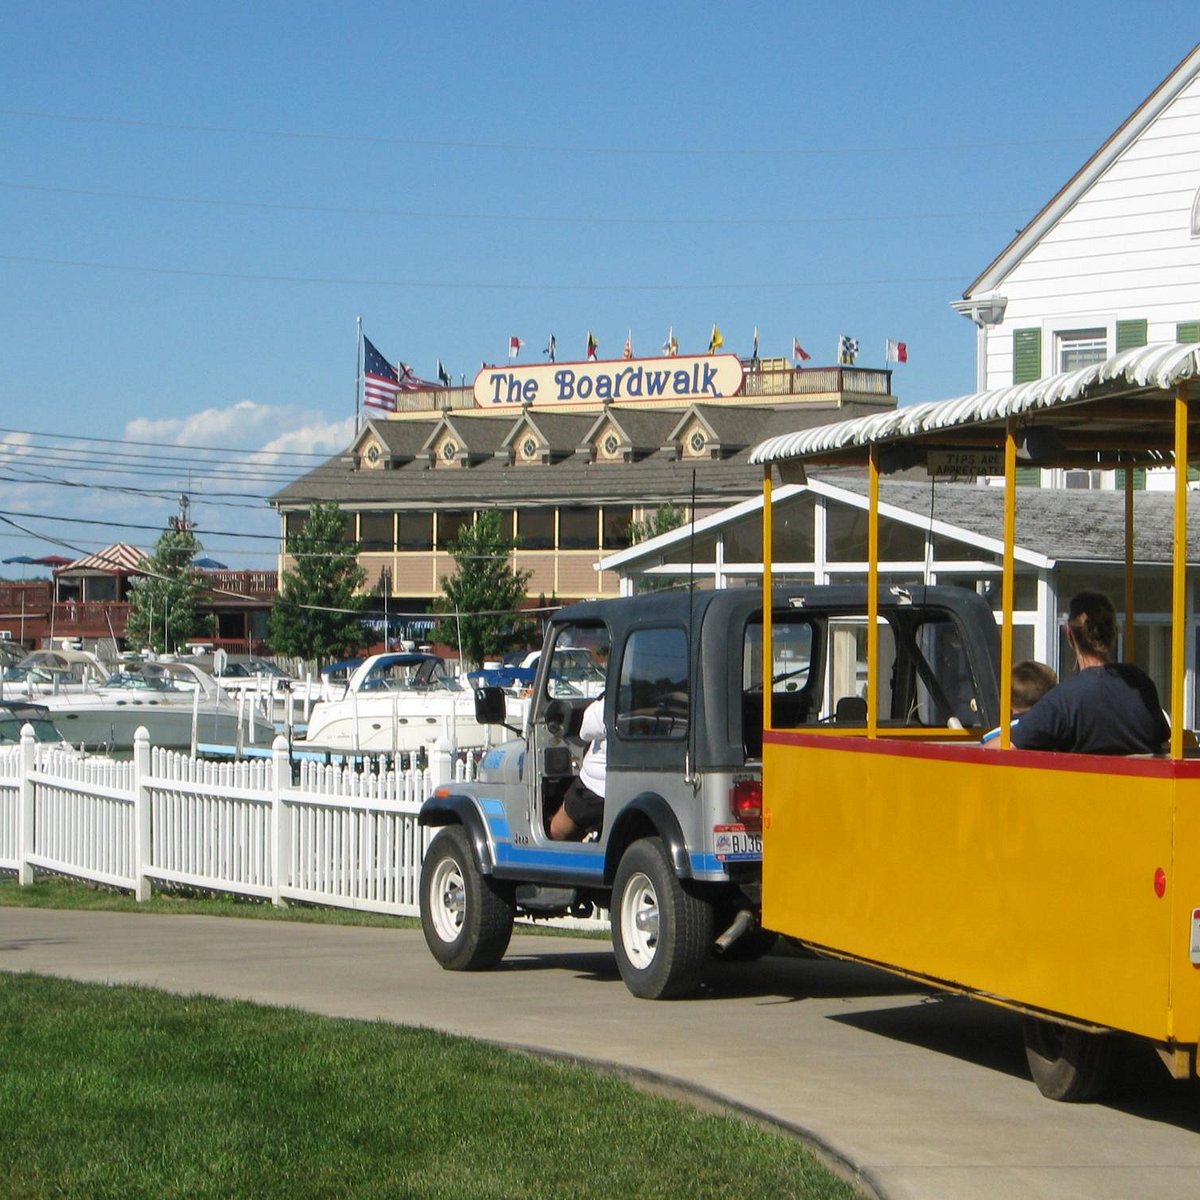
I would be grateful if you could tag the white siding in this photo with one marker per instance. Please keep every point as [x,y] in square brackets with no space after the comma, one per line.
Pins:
[1123,250]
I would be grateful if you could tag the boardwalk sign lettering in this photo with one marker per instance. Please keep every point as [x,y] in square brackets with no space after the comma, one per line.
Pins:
[706,377]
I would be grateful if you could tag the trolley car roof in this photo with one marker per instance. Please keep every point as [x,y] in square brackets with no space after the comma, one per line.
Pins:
[1113,413]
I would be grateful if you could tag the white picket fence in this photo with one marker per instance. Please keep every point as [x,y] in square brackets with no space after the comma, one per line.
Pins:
[338,837]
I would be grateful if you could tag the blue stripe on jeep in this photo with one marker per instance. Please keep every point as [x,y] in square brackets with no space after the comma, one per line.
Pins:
[496,816]
[589,863]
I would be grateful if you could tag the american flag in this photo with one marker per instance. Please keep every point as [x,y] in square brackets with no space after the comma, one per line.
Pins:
[381,381]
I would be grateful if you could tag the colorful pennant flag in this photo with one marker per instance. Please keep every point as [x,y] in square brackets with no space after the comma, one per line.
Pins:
[754,355]
[514,346]
[671,345]
[443,375]
[896,352]
[628,345]
[847,350]
[592,346]
[551,349]
[716,341]
[798,351]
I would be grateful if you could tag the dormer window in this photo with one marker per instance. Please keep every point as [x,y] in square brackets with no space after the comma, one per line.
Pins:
[449,449]
[529,447]
[697,442]
[611,444]
[373,455]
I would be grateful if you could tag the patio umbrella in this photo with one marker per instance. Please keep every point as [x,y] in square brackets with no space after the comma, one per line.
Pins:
[52,560]
[209,564]
[21,558]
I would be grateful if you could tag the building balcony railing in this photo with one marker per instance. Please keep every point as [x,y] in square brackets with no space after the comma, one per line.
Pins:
[760,379]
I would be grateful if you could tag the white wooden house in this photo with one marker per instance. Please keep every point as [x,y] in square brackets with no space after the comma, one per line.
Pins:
[1112,262]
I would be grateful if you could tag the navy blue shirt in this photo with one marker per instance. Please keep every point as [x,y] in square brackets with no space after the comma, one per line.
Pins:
[1112,709]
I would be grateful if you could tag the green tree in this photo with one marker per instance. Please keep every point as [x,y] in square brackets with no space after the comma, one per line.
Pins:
[479,608]
[162,604]
[316,615]
[666,517]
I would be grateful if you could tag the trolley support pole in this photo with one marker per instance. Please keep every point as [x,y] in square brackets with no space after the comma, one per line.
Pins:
[873,597]
[1008,581]
[1179,614]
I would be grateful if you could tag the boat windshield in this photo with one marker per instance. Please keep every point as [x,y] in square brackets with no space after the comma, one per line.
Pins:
[12,721]
[409,675]
[148,676]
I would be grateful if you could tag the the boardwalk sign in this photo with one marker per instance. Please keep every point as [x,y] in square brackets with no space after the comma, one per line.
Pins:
[705,377]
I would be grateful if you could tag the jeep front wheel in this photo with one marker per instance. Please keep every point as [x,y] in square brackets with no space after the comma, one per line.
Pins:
[466,918]
[662,933]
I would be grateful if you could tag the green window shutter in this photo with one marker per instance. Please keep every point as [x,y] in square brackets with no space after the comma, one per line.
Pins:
[1027,355]
[1187,331]
[1139,480]
[1131,334]
[1029,477]
[1193,474]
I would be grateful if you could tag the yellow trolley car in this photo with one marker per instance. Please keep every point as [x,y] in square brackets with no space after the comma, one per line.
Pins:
[1064,886]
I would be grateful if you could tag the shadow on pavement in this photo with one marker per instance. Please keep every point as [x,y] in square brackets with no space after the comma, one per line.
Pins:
[991,1037]
[774,979]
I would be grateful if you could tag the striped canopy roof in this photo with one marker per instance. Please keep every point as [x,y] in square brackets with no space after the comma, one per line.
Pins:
[1114,411]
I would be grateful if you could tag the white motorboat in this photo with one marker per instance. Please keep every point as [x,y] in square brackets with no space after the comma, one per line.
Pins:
[176,702]
[270,688]
[50,672]
[401,703]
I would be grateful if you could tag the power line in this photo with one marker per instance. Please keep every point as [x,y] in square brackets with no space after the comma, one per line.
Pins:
[224,450]
[509,218]
[562,148]
[486,286]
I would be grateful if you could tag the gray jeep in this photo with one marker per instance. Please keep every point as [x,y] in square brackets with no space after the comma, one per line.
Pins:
[678,857]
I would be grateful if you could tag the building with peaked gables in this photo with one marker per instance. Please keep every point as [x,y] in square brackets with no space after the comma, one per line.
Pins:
[1110,263]
[571,454]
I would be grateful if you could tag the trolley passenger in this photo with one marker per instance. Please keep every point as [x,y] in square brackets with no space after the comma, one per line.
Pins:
[1108,707]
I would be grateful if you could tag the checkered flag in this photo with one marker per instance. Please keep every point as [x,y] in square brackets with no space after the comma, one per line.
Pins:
[847,350]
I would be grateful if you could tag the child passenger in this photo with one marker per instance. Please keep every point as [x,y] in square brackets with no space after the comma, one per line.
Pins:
[1030,682]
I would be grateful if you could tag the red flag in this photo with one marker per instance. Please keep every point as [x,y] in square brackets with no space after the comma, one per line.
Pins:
[514,346]
[895,352]
[798,351]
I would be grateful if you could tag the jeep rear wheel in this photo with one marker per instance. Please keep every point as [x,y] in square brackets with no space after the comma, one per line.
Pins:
[662,933]
[466,918]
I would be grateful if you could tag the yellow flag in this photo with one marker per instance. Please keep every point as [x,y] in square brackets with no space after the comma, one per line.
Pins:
[716,341]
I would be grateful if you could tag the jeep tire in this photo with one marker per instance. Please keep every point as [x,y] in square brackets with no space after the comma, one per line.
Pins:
[662,933]
[466,917]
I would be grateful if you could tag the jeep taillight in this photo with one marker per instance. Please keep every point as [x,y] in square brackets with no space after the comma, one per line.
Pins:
[745,801]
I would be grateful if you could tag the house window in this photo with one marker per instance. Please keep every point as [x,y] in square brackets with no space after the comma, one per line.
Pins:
[535,528]
[449,526]
[578,528]
[375,530]
[1081,348]
[617,519]
[414,531]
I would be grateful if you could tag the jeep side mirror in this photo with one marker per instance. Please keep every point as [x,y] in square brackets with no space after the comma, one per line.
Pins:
[491,707]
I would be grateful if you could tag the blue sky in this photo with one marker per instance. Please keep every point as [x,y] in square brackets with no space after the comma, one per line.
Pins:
[197,202]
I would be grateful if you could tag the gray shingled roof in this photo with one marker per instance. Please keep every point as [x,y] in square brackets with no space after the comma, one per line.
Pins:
[654,478]
[1065,524]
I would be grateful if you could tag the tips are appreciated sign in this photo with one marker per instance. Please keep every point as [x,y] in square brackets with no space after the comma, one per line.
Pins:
[964,464]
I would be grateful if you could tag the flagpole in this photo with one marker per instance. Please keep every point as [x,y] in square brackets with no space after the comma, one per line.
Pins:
[357,374]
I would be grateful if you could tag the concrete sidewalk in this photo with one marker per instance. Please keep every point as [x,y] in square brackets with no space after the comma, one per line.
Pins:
[927,1097]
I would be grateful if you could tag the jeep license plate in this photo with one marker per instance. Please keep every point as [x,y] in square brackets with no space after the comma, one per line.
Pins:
[736,843]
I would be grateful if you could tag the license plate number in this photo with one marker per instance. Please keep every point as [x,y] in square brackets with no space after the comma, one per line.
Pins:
[736,843]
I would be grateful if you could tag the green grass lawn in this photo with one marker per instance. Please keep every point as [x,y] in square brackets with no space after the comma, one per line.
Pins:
[128,1092]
